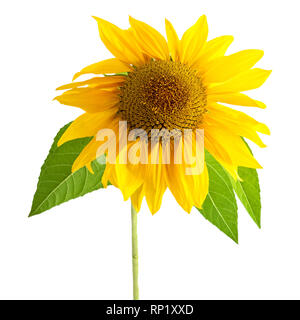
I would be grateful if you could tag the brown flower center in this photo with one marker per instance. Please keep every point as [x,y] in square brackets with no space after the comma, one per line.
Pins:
[163,95]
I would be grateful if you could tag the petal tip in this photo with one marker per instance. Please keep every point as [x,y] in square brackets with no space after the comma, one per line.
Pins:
[167,21]
[76,75]
[74,168]
[260,104]
[96,18]
[60,88]
[60,142]
[202,19]
[131,19]
[90,169]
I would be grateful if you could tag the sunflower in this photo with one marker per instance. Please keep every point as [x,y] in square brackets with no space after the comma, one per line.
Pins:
[154,83]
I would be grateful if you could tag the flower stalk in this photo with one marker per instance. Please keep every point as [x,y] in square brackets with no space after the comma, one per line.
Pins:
[135,257]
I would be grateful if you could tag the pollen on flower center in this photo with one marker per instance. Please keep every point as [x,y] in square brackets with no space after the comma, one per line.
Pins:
[163,95]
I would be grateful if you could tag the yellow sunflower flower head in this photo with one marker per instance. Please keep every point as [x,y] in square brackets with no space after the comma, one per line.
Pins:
[174,85]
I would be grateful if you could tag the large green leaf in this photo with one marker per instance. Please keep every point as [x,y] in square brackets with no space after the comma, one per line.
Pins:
[57,183]
[248,191]
[220,206]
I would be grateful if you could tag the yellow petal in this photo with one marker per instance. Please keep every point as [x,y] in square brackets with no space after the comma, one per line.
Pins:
[109,176]
[188,181]
[216,149]
[88,154]
[137,198]
[92,151]
[99,82]
[245,81]
[193,41]
[178,183]
[238,99]
[155,186]
[150,40]
[236,122]
[125,176]
[104,67]
[232,170]
[89,99]
[224,68]
[215,48]
[154,178]
[242,118]
[129,177]
[240,131]
[121,43]
[89,167]
[173,41]
[87,125]
[200,188]
[127,180]
[233,145]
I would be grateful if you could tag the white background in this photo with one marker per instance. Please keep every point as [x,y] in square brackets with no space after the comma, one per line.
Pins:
[81,249]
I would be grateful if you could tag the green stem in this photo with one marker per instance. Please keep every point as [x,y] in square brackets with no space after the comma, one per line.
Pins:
[135,256]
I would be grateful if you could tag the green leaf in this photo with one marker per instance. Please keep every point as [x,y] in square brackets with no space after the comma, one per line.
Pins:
[220,206]
[248,191]
[57,183]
